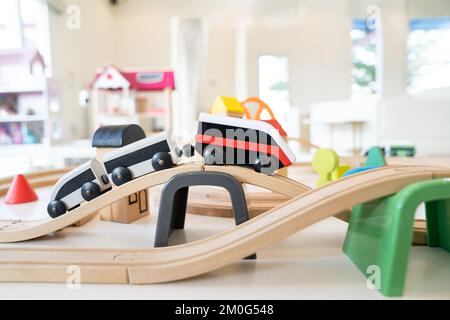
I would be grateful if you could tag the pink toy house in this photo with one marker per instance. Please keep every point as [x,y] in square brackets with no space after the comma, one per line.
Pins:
[124,97]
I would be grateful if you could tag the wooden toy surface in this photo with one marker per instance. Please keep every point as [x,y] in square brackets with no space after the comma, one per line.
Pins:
[37,179]
[305,142]
[357,161]
[215,202]
[13,231]
[316,251]
[188,260]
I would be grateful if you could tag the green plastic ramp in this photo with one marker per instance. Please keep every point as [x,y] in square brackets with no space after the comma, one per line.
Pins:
[380,232]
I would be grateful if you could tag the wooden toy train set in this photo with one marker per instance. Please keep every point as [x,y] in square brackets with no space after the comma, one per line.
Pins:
[234,151]
[250,143]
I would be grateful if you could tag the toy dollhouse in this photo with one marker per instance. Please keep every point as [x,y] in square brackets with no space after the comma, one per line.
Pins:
[23,97]
[128,97]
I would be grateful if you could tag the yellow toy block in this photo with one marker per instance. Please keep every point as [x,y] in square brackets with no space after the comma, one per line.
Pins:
[339,171]
[229,106]
[325,161]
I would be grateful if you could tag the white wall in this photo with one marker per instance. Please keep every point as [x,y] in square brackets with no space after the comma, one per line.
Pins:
[429,8]
[76,54]
[313,33]
[395,31]
[419,118]
[422,121]
[141,42]
[136,34]
[303,35]
[219,72]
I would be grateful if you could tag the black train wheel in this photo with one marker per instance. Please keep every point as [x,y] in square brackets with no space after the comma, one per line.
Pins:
[90,190]
[161,161]
[56,208]
[262,165]
[213,155]
[209,155]
[188,150]
[121,175]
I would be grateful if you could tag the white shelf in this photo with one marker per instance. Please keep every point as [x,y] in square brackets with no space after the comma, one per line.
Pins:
[22,118]
[21,150]
[139,115]
[151,115]
[21,90]
[70,151]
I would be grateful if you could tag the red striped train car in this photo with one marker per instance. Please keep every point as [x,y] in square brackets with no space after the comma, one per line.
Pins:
[234,141]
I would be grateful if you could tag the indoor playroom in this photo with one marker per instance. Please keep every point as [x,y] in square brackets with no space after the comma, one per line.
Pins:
[261,149]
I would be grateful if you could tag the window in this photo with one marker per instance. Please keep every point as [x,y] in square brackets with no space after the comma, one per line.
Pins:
[10,28]
[24,24]
[274,84]
[364,57]
[429,54]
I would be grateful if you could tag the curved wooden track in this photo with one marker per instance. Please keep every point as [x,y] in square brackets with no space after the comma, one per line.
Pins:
[17,230]
[214,202]
[35,179]
[195,258]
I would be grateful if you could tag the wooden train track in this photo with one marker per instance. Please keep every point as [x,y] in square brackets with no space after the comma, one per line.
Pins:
[14,231]
[20,230]
[140,266]
[36,179]
[215,202]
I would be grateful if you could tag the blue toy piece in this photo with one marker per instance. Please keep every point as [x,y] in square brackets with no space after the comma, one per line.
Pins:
[359,169]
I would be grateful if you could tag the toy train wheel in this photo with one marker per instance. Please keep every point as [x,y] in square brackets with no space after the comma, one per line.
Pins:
[90,190]
[262,164]
[56,208]
[213,155]
[121,175]
[188,150]
[161,161]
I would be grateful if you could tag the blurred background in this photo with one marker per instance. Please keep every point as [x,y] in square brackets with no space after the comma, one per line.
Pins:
[346,74]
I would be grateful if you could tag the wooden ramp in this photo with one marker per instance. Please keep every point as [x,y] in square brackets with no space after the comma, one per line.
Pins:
[195,258]
[36,180]
[19,230]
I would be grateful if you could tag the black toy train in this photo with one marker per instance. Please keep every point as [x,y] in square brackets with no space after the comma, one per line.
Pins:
[220,140]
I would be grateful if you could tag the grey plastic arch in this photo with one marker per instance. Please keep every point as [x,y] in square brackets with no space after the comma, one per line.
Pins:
[174,196]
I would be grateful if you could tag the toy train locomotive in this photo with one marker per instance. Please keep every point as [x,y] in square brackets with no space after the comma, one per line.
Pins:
[93,178]
[220,140]
[251,143]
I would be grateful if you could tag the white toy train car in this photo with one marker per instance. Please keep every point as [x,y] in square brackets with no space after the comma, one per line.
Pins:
[83,183]
[141,157]
[120,166]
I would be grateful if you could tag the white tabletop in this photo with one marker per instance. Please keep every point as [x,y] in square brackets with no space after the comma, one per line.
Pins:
[308,265]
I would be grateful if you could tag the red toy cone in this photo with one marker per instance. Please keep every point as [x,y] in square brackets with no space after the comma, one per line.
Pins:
[20,191]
